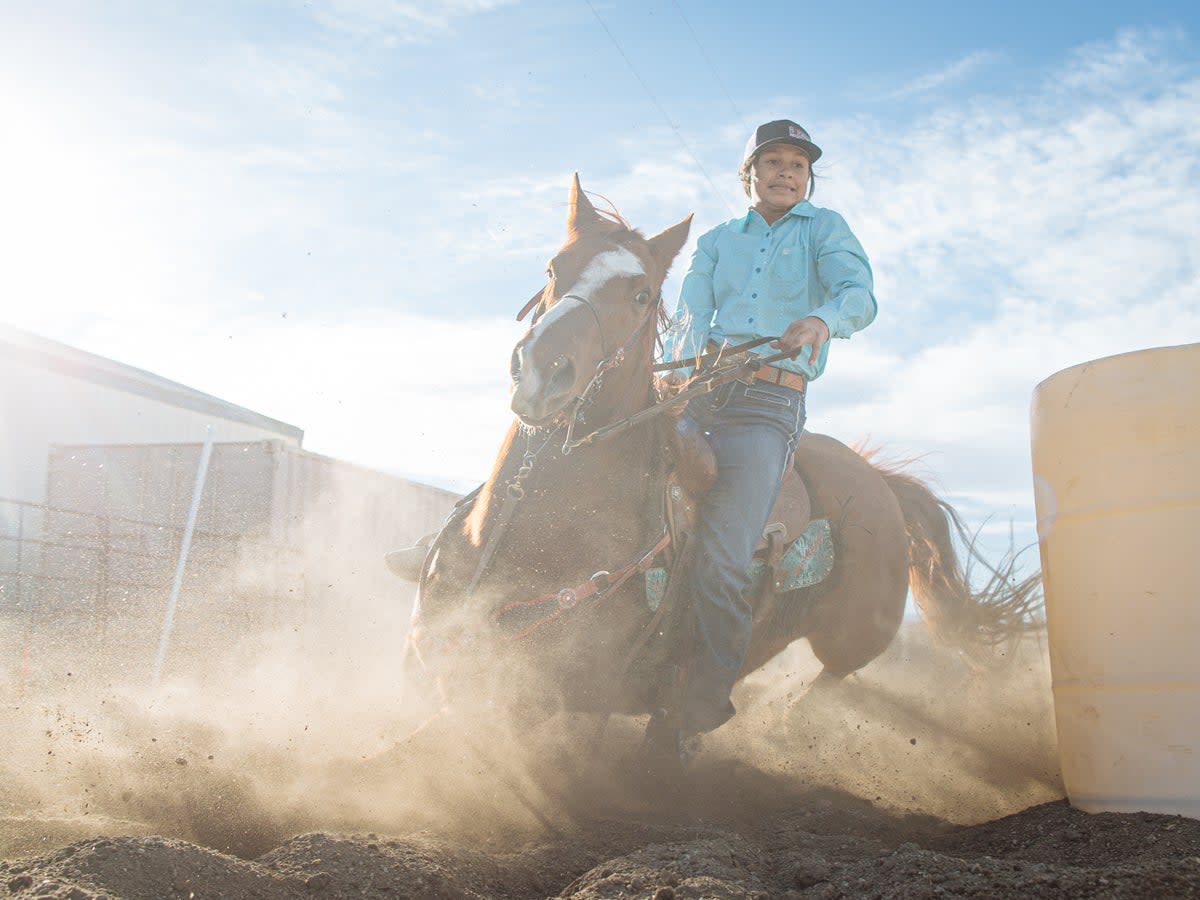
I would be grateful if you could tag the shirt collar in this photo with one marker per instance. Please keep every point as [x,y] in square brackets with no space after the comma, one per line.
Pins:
[803,209]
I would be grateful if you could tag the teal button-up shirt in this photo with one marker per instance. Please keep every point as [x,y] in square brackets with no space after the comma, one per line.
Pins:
[749,279]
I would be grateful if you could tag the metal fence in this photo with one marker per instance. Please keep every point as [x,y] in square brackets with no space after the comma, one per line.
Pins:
[90,587]
[287,547]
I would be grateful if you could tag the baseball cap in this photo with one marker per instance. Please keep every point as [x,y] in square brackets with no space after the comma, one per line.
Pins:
[781,131]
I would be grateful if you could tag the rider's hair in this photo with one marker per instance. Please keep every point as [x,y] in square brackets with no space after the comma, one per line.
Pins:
[745,171]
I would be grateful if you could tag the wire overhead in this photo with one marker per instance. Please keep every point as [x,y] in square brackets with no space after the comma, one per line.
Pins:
[711,68]
[661,111]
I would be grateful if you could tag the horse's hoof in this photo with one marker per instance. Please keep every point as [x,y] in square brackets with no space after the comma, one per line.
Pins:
[665,748]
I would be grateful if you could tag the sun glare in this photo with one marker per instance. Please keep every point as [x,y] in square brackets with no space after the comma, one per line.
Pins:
[74,236]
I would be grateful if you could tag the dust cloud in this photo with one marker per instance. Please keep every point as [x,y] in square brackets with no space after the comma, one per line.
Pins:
[273,716]
[271,721]
[918,730]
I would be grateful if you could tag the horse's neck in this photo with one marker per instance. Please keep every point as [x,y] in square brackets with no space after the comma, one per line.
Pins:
[627,390]
[609,474]
[622,462]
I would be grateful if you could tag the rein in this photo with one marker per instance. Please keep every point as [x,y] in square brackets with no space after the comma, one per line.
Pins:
[514,490]
[700,361]
[701,384]
[598,586]
[604,582]
[609,362]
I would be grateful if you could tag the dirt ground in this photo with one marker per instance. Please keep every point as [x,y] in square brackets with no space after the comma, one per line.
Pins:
[918,778]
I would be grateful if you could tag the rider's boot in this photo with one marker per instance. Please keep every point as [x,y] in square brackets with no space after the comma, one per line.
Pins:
[665,749]
[407,562]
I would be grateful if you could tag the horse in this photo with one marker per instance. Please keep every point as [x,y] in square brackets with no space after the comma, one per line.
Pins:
[547,562]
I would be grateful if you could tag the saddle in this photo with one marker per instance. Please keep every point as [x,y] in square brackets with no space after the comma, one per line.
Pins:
[696,470]
[794,550]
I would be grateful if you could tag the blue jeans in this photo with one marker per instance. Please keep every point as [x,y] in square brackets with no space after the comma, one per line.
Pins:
[753,430]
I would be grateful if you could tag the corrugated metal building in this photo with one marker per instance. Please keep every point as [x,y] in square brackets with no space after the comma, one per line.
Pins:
[54,394]
[98,466]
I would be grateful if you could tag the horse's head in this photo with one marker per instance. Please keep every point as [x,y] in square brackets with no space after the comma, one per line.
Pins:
[600,304]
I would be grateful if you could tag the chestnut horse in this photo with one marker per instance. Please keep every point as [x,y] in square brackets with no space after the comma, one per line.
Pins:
[513,570]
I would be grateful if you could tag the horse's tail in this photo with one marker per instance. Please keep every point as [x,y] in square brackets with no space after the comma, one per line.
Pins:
[998,613]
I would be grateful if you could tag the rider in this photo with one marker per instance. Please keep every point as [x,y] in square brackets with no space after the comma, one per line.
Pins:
[787,269]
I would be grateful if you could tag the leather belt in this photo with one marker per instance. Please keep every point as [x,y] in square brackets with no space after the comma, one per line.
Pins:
[774,374]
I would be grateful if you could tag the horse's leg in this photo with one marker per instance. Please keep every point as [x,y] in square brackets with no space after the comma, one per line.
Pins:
[859,618]
[860,607]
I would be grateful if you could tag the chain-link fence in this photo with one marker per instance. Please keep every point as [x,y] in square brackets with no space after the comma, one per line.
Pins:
[287,546]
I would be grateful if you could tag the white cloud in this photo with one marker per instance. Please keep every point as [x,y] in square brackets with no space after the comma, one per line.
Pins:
[1132,58]
[392,21]
[1013,238]
[950,74]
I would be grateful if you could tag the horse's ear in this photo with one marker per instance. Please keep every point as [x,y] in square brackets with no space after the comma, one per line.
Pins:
[581,213]
[665,245]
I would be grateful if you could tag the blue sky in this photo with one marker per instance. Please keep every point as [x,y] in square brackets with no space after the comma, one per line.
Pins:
[329,211]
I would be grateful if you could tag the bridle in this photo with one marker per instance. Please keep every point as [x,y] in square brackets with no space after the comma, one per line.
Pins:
[607,363]
[514,489]
[595,315]
[742,369]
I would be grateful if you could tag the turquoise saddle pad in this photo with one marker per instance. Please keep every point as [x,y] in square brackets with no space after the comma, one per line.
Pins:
[808,560]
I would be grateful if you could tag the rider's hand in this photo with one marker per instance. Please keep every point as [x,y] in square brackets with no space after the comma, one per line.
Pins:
[809,330]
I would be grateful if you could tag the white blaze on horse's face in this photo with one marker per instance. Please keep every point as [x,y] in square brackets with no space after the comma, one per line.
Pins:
[552,372]
[603,268]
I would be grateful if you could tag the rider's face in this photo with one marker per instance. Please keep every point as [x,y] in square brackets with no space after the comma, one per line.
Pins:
[779,178]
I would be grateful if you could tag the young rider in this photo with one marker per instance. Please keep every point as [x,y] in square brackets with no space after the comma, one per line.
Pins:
[787,269]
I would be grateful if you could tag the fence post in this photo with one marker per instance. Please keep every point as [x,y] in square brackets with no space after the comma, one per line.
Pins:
[23,667]
[169,620]
[20,554]
[101,611]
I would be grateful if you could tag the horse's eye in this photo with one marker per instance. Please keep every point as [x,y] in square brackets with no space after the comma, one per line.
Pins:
[642,298]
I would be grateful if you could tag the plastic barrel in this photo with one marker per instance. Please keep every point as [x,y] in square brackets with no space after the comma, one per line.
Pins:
[1116,464]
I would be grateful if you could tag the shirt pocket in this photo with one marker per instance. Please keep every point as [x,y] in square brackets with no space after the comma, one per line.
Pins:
[789,273]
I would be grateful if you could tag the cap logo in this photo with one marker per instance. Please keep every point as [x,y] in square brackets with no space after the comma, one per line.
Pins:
[795,131]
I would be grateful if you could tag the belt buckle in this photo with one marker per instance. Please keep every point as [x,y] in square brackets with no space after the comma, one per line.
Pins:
[771,375]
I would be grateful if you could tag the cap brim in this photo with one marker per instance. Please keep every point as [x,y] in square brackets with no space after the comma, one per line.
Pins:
[813,151]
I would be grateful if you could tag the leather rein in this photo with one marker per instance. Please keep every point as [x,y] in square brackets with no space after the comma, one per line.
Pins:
[708,380]
[515,491]
[604,582]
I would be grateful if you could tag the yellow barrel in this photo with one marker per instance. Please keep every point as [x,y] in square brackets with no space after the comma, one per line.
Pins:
[1116,466]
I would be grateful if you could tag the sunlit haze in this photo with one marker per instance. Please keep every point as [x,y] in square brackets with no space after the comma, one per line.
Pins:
[330,212]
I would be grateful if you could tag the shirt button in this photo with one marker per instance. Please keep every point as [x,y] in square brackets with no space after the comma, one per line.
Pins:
[759,269]
[754,296]
[763,250]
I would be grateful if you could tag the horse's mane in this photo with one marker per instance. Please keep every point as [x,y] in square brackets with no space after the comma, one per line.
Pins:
[617,228]
[613,215]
